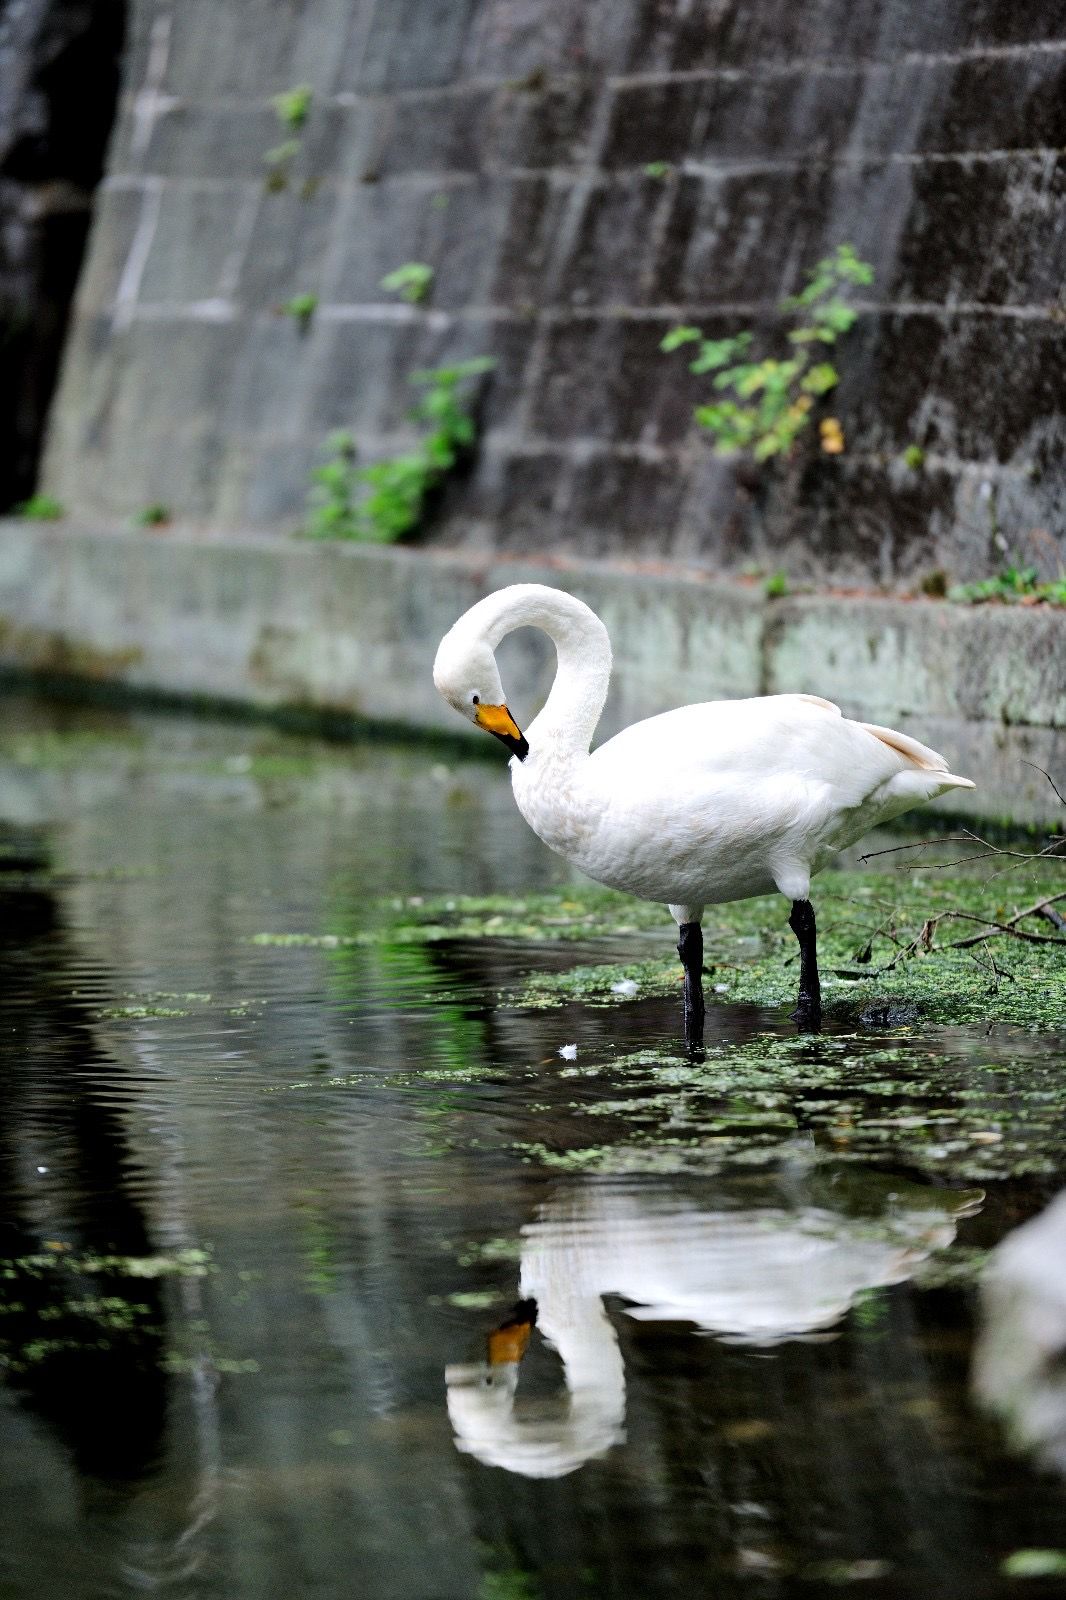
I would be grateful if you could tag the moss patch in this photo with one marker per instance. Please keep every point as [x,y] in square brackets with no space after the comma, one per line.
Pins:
[868,923]
[991,1110]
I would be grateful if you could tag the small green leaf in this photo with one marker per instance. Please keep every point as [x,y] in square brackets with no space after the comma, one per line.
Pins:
[411,281]
[301,307]
[679,336]
[282,153]
[41,508]
[837,316]
[716,352]
[820,379]
[152,516]
[293,106]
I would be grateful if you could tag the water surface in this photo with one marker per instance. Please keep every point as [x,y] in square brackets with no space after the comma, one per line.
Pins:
[262,1204]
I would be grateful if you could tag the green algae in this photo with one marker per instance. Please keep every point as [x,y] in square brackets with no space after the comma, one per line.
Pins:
[943,1061]
[979,1116]
[57,1258]
[137,1013]
[94,1301]
[875,967]
[873,954]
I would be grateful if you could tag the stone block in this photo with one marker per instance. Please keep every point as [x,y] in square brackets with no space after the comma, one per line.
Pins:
[617,497]
[117,214]
[528,40]
[289,250]
[885,384]
[984,231]
[1028,92]
[385,224]
[192,244]
[891,660]
[210,49]
[439,133]
[408,44]
[526,251]
[357,374]
[653,122]
[704,258]
[197,141]
[606,377]
[665,37]
[270,390]
[613,255]
[546,125]
[1001,22]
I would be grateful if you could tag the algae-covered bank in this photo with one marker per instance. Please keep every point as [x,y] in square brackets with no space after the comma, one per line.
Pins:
[320,1073]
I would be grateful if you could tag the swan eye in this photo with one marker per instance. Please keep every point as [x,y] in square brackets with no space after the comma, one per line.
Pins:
[475,699]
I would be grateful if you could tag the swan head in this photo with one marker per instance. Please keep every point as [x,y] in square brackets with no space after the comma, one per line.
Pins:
[466,675]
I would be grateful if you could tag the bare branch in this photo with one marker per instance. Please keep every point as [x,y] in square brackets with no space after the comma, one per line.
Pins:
[995,929]
[916,844]
[1050,779]
[1010,926]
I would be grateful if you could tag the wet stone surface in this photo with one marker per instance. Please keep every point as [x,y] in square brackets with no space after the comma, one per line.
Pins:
[318,1072]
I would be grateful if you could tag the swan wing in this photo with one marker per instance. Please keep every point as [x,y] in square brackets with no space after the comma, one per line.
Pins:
[797,737]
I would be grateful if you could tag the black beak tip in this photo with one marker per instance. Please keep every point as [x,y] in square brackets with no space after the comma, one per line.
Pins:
[518,747]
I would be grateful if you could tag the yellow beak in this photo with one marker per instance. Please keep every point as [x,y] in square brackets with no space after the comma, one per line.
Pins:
[499,721]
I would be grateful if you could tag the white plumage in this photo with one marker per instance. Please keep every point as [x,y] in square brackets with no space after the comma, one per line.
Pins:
[712,802]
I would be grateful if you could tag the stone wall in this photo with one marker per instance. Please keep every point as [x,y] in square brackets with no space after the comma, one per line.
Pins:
[507,143]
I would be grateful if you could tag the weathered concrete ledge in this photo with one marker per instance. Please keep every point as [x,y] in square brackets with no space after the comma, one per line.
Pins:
[285,625]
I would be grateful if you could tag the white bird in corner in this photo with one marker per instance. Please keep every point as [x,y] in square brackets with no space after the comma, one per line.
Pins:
[709,803]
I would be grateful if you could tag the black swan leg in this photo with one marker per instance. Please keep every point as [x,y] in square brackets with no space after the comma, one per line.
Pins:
[801,920]
[690,949]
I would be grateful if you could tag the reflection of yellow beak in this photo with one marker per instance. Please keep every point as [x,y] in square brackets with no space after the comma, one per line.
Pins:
[507,1345]
[498,720]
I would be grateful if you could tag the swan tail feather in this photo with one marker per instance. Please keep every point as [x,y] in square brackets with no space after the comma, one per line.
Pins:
[904,745]
[951,780]
[819,700]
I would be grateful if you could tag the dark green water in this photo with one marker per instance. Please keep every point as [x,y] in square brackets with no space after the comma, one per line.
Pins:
[256,1199]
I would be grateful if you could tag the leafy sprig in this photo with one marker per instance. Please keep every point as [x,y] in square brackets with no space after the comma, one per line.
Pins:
[1013,586]
[773,398]
[399,486]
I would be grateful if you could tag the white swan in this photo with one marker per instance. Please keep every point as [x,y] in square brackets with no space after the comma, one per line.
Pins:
[708,803]
[789,1267]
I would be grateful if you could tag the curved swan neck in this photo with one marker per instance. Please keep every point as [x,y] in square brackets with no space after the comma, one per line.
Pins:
[583,648]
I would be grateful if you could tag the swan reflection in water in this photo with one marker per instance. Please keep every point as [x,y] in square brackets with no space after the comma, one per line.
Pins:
[768,1259]
[1019,1368]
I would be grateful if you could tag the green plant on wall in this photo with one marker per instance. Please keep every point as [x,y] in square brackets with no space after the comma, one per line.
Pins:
[301,308]
[1013,586]
[395,490]
[412,281]
[767,404]
[154,515]
[41,508]
[293,106]
[331,503]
